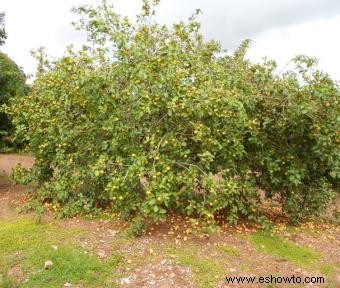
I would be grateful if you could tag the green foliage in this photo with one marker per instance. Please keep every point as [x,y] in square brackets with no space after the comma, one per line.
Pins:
[22,175]
[294,141]
[150,119]
[12,84]
[137,227]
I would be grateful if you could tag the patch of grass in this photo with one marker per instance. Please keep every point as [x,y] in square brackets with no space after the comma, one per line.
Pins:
[331,285]
[207,271]
[228,250]
[27,234]
[277,246]
[7,281]
[330,272]
[70,265]
[27,245]
[327,269]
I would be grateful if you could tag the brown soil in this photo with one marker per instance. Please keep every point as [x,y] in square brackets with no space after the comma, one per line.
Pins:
[160,275]
[9,161]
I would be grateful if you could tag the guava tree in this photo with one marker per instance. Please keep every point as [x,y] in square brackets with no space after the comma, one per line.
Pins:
[148,119]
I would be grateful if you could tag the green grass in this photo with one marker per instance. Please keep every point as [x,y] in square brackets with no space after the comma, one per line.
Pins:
[277,246]
[70,264]
[207,272]
[7,281]
[228,251]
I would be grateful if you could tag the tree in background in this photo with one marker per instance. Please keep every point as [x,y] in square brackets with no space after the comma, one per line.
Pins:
[12,83]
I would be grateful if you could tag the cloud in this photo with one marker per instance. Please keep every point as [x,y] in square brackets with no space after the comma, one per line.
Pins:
[35,23]
[314,38]
[231,21]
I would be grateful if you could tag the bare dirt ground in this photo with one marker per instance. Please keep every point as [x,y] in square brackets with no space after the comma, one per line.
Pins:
[152,265]
[11,196]
[9,161]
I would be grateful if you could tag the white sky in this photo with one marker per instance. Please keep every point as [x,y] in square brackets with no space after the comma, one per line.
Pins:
[280,29]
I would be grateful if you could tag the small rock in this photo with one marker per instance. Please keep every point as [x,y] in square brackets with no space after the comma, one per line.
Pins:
[112,232]
[67,285]
[48,264]
[232,270]
[19,255]
[126,280]
[54,247]
[101,254]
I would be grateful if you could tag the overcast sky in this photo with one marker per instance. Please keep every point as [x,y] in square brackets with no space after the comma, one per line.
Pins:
[280,29]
